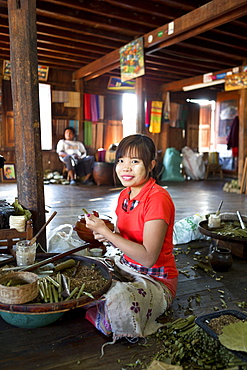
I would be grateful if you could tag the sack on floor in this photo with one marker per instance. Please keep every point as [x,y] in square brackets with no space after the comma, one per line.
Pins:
[171,161]
[61,241]
[193,164]
[186,230]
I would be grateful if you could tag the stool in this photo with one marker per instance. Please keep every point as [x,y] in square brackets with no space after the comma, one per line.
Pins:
[103,173]
[213,168]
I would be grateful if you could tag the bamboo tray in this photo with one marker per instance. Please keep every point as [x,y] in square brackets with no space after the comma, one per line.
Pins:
[43,308]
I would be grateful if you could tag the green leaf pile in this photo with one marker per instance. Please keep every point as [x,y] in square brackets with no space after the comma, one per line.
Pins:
[234,336]
[20,210]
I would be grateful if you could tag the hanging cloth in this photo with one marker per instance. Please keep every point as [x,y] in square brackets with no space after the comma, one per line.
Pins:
[101,107]
[88,133]
[155,119]
[87,107]
[148,113]
[166,111]
[94,108]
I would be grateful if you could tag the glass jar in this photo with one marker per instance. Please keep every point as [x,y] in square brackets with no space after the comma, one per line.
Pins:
[25,253]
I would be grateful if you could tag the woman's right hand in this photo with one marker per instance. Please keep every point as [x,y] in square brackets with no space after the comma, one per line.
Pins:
[100,237]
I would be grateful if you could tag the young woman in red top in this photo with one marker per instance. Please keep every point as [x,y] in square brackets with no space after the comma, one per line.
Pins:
[144,228]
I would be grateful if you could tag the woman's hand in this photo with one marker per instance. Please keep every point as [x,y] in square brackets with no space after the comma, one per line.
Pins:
[98,227]
[100,237]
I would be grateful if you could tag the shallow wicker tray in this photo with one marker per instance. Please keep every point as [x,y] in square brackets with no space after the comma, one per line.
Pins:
[66,305]
[22,293]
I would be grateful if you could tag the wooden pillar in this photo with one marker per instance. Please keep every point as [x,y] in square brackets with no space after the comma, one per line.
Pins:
[24,82]
[140,90]
[242,150]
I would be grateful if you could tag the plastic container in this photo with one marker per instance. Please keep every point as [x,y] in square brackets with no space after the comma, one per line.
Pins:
[214,221]
[204,320]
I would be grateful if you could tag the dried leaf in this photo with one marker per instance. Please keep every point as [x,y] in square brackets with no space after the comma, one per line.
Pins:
[234,336]
[157,365]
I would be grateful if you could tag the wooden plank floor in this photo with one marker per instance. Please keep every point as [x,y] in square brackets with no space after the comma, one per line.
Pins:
[72,342]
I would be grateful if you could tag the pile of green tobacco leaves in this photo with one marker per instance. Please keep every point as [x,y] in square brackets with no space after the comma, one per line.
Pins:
[184,343]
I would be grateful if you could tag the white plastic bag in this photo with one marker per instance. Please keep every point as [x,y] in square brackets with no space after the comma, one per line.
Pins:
[59,241]
[193,164]
[187,230]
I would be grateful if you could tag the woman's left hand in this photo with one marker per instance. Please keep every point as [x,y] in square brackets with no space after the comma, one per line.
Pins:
[95,224]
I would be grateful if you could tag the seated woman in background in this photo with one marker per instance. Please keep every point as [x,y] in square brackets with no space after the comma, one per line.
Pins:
[73,154]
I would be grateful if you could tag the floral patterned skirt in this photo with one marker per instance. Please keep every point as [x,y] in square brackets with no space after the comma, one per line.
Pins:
[130,309]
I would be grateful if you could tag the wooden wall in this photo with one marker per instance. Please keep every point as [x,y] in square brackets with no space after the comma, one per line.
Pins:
[176,137]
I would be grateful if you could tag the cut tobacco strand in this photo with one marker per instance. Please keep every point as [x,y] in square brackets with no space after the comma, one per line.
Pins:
[65,265]
[53,281]
[85,211]
[55,293]
[72,294]
[50,292]
[59,280]
[46,288]
[66,291]
[41,292]
[80,291]
[76,268]
[42,286]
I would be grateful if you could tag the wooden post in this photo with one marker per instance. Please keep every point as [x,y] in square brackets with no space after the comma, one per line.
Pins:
[140,90]
[24,82]
[242,149]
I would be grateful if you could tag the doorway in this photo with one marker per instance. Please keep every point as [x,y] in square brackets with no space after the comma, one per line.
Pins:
[206,137]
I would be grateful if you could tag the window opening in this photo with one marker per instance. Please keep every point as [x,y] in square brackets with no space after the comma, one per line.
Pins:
[129,106]
[45,116]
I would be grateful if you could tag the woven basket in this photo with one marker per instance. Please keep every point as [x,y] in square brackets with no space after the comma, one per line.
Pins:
[19,294]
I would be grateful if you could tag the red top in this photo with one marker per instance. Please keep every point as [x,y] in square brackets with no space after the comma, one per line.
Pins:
[152,203]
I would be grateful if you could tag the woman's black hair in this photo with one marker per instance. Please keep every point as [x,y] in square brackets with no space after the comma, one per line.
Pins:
[69,128]
[143,147]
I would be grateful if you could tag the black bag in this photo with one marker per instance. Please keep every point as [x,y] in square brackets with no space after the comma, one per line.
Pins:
[5,211]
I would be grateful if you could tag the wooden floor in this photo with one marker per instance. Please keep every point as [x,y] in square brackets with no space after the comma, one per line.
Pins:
[72,342]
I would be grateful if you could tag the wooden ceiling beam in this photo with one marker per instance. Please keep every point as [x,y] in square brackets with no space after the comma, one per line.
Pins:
[85,30]
[209,18]
[99,11]
[79,37]
[214,13]
[85,18]
[178,85]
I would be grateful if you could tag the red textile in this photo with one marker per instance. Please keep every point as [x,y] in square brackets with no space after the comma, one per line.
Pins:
[235,151]
[87,107]
[148,113]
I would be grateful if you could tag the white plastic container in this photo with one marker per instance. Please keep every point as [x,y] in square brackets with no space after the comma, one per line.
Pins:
[214,221]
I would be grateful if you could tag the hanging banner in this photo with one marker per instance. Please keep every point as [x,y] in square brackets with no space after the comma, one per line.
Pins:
[42,71]
[132,60]
[236,81]
[115,83]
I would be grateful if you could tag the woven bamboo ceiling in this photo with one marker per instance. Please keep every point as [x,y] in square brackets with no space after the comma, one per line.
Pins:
[73,34]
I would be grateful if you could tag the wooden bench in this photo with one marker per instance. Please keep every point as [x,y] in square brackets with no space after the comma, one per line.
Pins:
[9,237]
